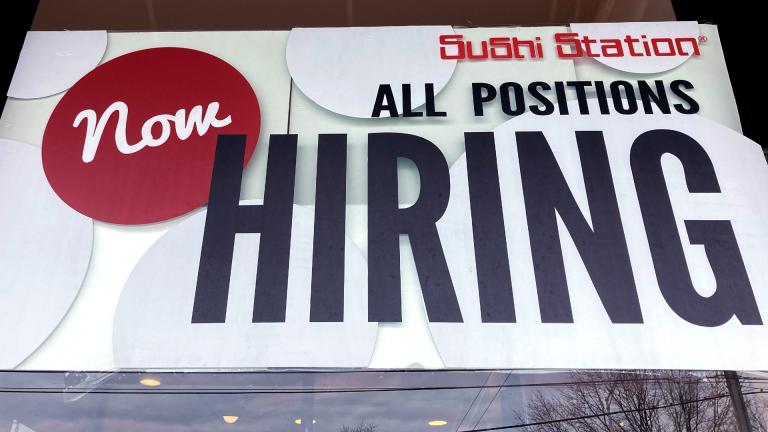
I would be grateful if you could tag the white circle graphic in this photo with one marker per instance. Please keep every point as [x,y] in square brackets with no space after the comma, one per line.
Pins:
[153,326]
[45,247]
[644,33]
[52,61]
[341,69]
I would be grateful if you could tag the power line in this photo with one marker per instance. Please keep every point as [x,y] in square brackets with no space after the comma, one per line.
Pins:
[234,390]
[48,390]
[491,402]
[488,429]
[469,408]
[289,371]
[610,413]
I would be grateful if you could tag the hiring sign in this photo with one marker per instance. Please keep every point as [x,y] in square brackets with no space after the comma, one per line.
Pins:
[590,219]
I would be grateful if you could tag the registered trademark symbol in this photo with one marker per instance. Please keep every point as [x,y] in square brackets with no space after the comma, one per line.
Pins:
[702,39]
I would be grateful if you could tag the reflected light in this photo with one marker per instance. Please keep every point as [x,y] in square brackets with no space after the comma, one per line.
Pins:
[230,419]
[437,423]
[149,381]
[298,421]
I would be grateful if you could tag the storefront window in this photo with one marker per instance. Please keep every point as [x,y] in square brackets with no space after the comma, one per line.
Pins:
[376,401]
[364,217]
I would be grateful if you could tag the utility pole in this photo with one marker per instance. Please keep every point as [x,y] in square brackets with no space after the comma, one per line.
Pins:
[737,400]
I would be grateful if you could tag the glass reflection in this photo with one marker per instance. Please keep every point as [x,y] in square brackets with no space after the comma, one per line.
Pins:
[376,401]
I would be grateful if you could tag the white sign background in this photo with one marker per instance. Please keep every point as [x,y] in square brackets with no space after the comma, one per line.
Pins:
[84,340]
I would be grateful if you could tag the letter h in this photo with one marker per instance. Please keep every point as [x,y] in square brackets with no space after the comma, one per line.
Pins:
[227,217]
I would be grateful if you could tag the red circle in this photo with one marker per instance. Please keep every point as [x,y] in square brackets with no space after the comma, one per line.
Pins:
[154,183]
